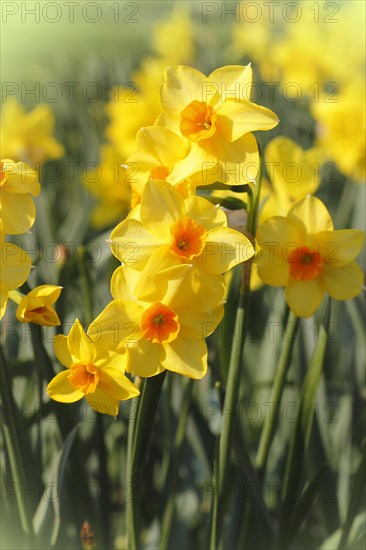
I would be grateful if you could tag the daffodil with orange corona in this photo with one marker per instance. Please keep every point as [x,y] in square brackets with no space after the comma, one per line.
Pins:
[304,253]
[91,372]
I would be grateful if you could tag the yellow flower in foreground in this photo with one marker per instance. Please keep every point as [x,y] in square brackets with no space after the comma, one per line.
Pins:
[37,306]
[305,254]
[173,231]
[91,372]
[17,183]
[158,151]
[166,331]
[215,115]
[28,135]
[15,267]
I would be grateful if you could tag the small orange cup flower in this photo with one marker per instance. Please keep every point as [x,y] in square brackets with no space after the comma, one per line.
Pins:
[304,253]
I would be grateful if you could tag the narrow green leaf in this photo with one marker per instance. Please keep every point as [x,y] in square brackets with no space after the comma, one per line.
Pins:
[306,501]
[357,496]
[50,499]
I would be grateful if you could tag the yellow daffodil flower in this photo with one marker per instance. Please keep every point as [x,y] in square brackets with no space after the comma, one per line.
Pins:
[109,183]
[173,231]
[305,254]
[158,151]
[28,135]
[215,115]
[166,331]
[91,372]
[17,183]
[37,306]
[15,267]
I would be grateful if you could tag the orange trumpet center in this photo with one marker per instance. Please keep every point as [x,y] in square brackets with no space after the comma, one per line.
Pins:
[198,121]
[188,238]
[159,172]
[84,377]
[159,324]
[305,264]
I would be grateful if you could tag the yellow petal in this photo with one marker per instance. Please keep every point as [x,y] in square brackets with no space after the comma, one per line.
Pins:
[136,359]
[272,270]
[159,261]
[304,297]
[117,326]
[236,118]
[312,213]
[186,357]
[232,81]
[182,86]
[123,283]
[343,283]
[278,236]
[202,323]
[51,292]
[15,266]
[21,178]
[224,249]
[204,212]
[114,383]
[80,345]
[161,206]
[61,390]
[340,247]
[62,351]
[103,403]
[17,212]
[133,244]
[162,144]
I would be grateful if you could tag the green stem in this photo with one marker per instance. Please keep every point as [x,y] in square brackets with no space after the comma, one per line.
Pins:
[11,433]
[233,380]
[270,422]
[174,466]
[85,284]
[140,438]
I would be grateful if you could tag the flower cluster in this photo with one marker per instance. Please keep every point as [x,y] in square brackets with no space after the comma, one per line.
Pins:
[174,246]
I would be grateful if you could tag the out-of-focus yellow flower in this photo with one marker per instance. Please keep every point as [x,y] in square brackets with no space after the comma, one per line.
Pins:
[215,115]
[91,372]
[166,331]
[252,36]
[37,306]
[303,253]
[173,231]
[137,103]
[173,37]
[15,267]
[293,173]
[17,183]
[159,150]
[28,135]
[109,182]
[341,129]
